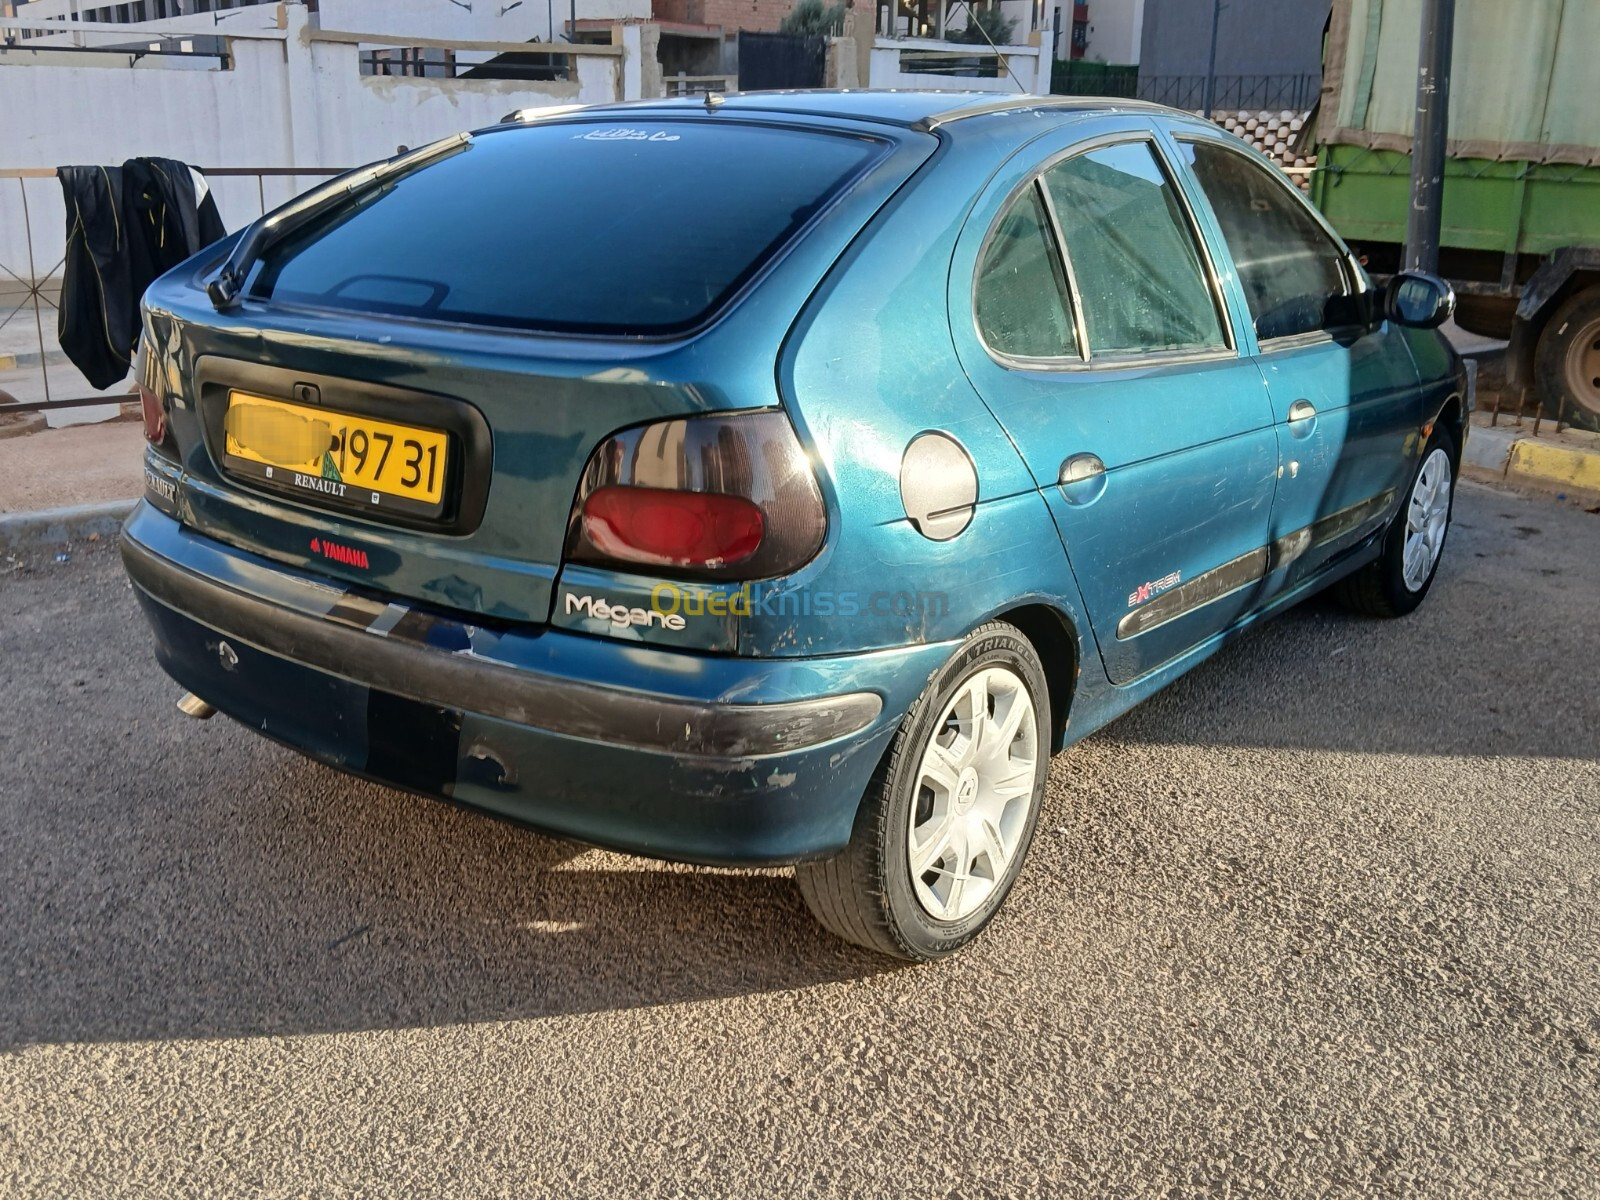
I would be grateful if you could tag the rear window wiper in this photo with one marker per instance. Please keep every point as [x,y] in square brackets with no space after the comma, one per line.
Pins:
[227,288]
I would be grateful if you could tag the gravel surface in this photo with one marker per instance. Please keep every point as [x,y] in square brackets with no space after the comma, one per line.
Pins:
[57,468]
[1318,920]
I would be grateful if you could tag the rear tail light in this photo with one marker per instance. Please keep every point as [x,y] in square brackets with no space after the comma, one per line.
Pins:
[715,497]
[676,529]
[153,409]
[155,416]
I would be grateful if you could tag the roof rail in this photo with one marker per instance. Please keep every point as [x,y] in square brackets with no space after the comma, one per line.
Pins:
[1024,103]
[527,116]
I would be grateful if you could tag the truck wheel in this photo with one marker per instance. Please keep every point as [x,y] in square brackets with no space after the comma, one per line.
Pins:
[1486,316]
[1566,364]
[946,822]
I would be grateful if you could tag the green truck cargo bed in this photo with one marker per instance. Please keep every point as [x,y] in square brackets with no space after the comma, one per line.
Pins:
[1524,139]
[1512,207]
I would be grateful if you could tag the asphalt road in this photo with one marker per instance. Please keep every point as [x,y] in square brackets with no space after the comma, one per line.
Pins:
[1321,919]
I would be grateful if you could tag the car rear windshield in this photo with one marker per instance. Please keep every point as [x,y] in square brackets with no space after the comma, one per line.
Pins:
[643,227]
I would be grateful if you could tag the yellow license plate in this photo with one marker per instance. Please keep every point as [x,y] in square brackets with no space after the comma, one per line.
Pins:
[334,454]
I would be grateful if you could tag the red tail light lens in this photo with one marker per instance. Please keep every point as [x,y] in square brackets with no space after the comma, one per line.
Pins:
[155,416]
[676,529]
[147,370]
[714,497]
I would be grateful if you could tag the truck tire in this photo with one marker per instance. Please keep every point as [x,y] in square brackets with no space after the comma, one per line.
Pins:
[1487,316]
[1566,362]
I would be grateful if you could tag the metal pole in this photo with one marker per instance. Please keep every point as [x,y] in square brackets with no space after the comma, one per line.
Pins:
[1431,130]
[34,284]
[1211,63]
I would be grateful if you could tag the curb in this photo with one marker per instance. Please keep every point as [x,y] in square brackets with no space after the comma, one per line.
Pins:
[22,424]
[57,526]
[1562,466]
[1570,463]
[33,358]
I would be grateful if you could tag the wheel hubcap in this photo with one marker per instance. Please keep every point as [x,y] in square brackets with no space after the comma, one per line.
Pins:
[1427,516]
[1583,367]
[973,794]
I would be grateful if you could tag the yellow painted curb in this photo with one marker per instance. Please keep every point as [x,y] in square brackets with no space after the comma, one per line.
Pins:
[1555,464]
[8,362]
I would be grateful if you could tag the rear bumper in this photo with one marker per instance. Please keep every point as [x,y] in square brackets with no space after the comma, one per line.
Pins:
[657,752]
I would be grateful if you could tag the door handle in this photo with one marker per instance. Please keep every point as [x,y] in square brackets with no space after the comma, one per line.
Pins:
[1080,468]
[1302,410]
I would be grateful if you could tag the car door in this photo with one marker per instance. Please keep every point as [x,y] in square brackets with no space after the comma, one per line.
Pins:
[1087,314]
[1342,383]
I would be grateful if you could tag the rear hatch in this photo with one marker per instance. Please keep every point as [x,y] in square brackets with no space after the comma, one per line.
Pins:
[413,381]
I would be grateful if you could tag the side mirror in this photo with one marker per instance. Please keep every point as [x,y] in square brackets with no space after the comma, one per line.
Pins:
[1419,299]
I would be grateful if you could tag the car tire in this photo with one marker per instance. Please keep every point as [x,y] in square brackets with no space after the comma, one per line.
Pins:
[1566,361]
[955,789]
[1413,545]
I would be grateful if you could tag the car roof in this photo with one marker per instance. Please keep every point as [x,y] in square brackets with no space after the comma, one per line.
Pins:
[910,109]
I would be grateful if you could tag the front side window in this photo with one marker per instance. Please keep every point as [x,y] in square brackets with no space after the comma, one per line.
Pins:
[1021,294]
[1134,257]
[1294,275]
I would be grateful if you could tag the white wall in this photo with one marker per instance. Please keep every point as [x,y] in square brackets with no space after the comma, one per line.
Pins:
[58,115]
[438,18]
[1024,61]
[285,101]
[1116,29]
[420,18]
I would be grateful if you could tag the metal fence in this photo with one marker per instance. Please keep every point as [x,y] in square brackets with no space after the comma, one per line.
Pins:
[1295,93]
[30,287]
[970,64]
[683,84]
[424,62]
[1079,78]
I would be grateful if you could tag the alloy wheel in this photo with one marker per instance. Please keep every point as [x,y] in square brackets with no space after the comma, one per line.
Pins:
[973,794]
[1427,516]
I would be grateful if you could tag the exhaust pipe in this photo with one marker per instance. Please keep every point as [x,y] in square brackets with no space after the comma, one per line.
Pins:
[192,706]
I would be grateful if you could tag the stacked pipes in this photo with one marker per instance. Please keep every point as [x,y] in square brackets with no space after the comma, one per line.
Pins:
[1274,134]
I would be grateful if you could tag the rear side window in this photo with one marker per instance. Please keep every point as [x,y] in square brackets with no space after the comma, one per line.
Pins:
[1134,257]
[1021,295]
[1293,273]
[608,228]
